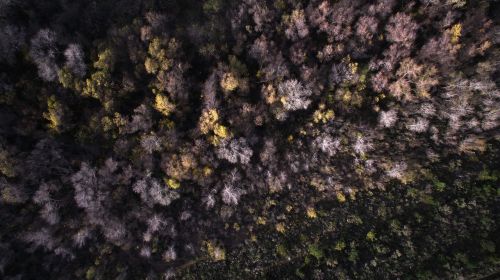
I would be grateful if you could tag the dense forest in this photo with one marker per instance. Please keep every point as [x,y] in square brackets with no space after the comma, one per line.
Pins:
[250,139]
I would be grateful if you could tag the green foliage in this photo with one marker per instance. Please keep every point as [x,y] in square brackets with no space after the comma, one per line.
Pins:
[282,251]
[90,274]
[486,175]
[212,6]
[370,236]
[340,246]
[6,166]
[315,251]
[440,186]
[353,255]
[488,245]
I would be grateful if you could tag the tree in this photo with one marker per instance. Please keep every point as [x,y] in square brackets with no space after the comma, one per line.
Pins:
[402,30]
[296,25]
[43,52]
[230,195]
[153,192]
[12,39]
[12,194]
[209,92]
[151,143]
[334,19]
[75,60]
[170,254]
[366,28]
[260,49]
[141,120]
[387,119]
[362,145]
[293,95]
[7,167]
[87,191]
[81,237]
[397,170]
[42,237]
[339,73]
[236,150]
[327,144]
[49,208]
[418,125]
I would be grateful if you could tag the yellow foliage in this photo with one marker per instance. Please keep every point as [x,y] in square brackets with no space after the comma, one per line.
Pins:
[353,67]
[456,33]
[280,227]
[236,226]
[54,114]
[473,144]
[208,123]
[261,221]
[155,49]
[229,82]
[107,123]
[216,253]
[214,140]
[105,60]
[208,120]
[151,65]
[97,84]
[65,78]
[322,115]
[297,15]
[158,59]
[311,213]
[283,100]
[207,171]
[270,94]
[172,183]
[221,131]
[163,105]
[346,96]
[352,195]
[318,184]
[341,197]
